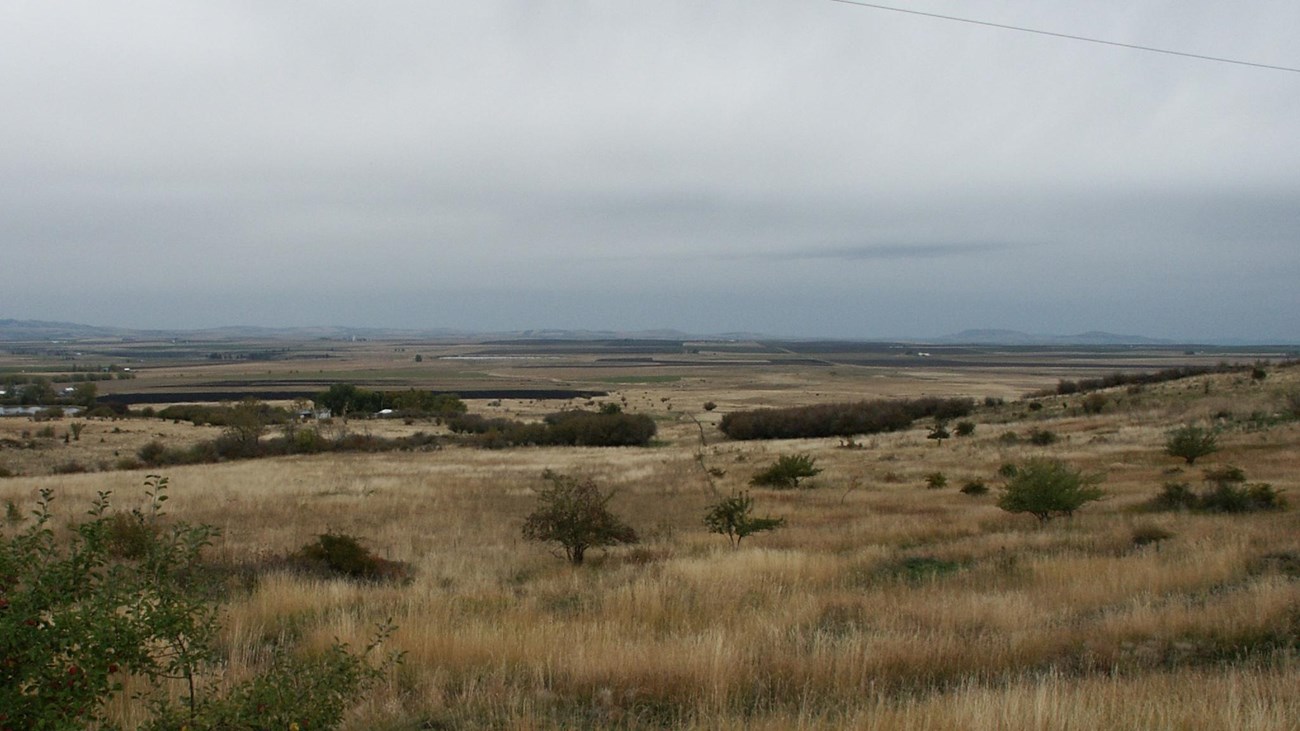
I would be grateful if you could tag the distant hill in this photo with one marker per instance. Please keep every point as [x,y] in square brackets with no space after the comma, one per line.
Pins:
[41,330]
[1015,337]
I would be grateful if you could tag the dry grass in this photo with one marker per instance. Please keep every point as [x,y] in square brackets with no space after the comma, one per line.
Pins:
[882,605]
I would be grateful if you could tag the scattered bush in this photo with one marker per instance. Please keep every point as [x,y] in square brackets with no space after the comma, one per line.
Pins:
[78,616]
[70,467]
[964,428]
[573,513]
[1190,442]
[1047,487]
[341,554]
[731,517]
[1147,534]
[787,471]
[974,487]
[1042,437]
[936,481]
[1226,492]
[938,432]
[1094,403]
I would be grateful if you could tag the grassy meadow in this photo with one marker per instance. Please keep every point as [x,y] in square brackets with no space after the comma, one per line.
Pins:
[882,604]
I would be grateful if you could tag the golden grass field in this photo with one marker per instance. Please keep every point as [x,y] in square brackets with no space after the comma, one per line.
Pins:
[881,605]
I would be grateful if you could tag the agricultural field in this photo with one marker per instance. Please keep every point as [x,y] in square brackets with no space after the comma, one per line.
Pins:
[896,594]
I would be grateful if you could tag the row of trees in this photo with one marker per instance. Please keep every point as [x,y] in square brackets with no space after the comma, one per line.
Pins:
[344,399]
[841,420]
[608,427]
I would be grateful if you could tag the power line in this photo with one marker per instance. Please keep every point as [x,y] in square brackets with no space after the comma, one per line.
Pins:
[1068,36]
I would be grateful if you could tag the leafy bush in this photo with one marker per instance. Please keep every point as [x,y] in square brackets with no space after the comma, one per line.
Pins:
[787,471]
[731,517]
[1042,437]
[840,420]
[78,616]
[974,487]
[1176,496]
[573,513]
[936,480]
[344,555]
[1094,403]
[1226,492]
[938,432]
[1047,487]
[964,428]
[1190,442]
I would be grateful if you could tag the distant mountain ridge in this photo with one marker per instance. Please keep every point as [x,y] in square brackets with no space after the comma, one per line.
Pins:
[12,330]
[1015,337]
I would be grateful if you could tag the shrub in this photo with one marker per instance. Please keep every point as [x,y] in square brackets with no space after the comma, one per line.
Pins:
[787,471]
[1042,437]
[731,517]
[1094,403]
[344,555]
[1147,534]
[964,428]
[70,467]
[78,616]
[1047,487]
[573,513]
[1176,496]
[938,432]
[974,487]
[1190,442]
[936,480]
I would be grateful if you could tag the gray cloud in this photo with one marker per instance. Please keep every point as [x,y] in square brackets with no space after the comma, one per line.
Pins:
[657,164]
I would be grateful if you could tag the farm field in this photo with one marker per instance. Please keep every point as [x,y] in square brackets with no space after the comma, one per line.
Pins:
[884,602]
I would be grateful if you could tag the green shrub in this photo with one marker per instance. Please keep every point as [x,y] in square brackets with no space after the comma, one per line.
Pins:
[574,514]
[1047,487]
[1094,403]
[786,472]
[1190,442]
[936,481]
[341,554]
[1226,492]
[964,428]
[974,487]
[1176,496]
[731,517]
[119,599]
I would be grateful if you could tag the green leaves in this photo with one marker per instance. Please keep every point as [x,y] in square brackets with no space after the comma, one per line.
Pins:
[731,517]
[787,471]
[1047,487]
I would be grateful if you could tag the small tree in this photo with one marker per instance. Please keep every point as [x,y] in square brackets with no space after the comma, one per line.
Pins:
[1045,487]
[786,472]
[1190,442]
[731,517]
[939,431]
[573,514]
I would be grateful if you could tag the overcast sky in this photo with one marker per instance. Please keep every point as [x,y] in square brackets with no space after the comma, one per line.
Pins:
[793,167]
